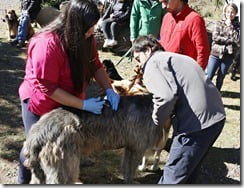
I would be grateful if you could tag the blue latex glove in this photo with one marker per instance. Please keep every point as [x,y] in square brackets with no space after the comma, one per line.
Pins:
[93,105]
[113,98]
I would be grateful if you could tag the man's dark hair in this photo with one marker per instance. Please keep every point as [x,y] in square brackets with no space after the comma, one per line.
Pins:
[185,1]
[142,43]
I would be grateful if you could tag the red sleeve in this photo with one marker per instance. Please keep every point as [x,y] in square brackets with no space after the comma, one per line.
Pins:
[47,59]
[200,39]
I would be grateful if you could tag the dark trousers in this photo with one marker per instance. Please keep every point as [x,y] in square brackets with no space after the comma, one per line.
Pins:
[29,118]
[187,153]
[108,27]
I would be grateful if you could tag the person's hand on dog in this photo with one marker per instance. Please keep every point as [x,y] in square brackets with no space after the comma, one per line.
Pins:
[93,105]
[113,98]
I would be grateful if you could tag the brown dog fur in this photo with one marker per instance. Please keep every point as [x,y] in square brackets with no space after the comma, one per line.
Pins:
[13,23]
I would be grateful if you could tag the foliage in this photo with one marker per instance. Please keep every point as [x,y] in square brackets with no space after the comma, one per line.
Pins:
[210,10]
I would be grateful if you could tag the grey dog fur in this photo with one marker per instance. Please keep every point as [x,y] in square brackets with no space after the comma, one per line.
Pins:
[57,141]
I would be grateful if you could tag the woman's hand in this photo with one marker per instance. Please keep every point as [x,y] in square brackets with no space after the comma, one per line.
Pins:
[94,105]
[113,98]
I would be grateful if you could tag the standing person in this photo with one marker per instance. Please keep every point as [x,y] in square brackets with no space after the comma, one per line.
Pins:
[146,18]
[238,4]
[116,16]
[181,90]
[62,58]
[29,11]
[183,31]
[226,41]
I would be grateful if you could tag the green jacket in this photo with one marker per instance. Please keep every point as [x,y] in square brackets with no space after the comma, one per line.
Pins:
[146,19]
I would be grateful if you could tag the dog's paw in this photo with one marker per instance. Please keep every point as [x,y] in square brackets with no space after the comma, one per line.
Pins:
[142,168]
[154,168]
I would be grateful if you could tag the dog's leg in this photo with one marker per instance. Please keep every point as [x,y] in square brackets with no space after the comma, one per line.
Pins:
[61,166]
[161,145]
[61,159]
[35,179]
[131,160]
[143,166]
[156,160]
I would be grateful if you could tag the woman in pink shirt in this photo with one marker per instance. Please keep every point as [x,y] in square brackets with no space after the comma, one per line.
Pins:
[62,58]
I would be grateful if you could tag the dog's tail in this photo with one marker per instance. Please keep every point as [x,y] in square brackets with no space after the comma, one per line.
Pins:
[45,140]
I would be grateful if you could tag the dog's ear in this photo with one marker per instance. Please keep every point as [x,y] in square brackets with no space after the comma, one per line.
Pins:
[14,14]
[119,89]
[6,16]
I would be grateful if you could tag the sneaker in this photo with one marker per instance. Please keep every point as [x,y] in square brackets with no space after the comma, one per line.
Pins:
[112,43]
[106,42]
[20,44]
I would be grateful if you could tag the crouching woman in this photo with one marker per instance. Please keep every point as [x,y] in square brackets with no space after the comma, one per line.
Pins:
[61,60]
[181,90]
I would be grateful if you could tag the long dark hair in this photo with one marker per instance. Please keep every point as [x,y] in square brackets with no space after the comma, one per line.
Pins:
[71,25]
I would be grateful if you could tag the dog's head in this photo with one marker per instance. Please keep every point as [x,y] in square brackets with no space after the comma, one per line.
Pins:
[111,70]
[12,21]
[131,87]
[10,16]
[128,88]
[108,64]
[125,87]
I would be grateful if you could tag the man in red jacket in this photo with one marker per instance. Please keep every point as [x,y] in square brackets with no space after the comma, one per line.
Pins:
[183,31]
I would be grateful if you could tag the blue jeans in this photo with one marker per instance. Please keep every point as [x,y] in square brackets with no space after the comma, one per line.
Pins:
[29,118]
[222,65]
[23,26]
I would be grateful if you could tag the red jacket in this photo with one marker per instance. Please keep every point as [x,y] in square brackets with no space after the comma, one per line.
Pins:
[47,69]
[185,33]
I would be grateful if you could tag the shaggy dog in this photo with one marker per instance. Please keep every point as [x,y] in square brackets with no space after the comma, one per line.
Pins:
[57,141]
[132,87]
[13,23]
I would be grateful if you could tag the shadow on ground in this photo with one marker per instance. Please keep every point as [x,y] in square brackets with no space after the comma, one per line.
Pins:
[105,168]
[11,74]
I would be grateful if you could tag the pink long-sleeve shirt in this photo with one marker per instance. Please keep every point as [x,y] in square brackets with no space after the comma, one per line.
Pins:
[47,69]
